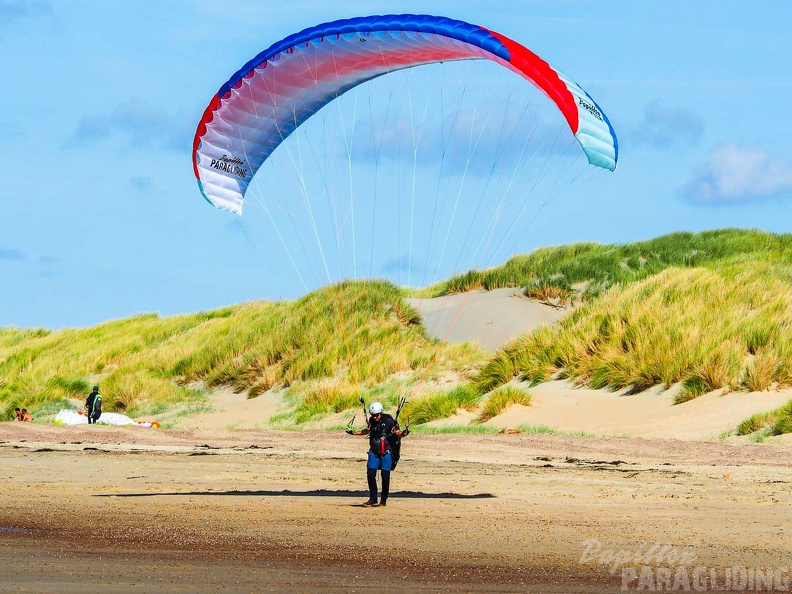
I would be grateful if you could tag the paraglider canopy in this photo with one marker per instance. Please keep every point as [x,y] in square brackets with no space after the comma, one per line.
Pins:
[279,89]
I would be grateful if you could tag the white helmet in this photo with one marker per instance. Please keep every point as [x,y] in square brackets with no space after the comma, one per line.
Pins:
[375,408]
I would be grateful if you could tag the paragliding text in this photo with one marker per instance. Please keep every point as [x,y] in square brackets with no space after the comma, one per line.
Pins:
[230,165]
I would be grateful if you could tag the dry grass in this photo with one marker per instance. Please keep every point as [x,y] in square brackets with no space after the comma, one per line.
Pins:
[361,333]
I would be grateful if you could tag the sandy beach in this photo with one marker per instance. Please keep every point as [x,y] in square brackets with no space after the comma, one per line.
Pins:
[142,510]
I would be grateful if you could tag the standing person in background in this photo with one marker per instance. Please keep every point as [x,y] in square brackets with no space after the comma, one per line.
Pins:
[93,405]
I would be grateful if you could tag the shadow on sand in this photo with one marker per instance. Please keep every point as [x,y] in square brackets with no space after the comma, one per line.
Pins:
[312,493]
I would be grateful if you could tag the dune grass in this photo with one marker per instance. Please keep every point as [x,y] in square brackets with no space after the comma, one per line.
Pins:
[728,327]
[441,405]
[322,397]
[775,422]
[757,422]
[603,266]
[554,290]
[501,399]
[783,420]
[353,336]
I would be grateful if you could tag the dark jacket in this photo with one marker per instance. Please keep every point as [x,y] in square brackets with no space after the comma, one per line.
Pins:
[94,404]
[379,432]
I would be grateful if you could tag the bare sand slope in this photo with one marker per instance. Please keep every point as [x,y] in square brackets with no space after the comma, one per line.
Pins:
[103,509]
[232,411]
[490,318]
[560,405]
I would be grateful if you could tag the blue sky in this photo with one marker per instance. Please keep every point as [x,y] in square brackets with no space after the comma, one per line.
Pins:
[101,217]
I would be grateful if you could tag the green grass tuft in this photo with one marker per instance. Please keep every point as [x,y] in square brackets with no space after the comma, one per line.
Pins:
[500,400]
[755,423]
[783,419]
[441,406]
[762,425]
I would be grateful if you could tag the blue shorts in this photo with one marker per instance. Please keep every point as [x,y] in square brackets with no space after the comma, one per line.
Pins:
[380,462]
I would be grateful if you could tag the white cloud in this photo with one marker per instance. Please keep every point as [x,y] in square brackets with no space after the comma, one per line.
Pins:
[734,174]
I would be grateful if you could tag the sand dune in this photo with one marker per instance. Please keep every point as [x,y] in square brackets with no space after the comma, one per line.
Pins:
[492,319]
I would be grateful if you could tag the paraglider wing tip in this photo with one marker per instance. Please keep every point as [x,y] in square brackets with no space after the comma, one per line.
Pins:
[232,206]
